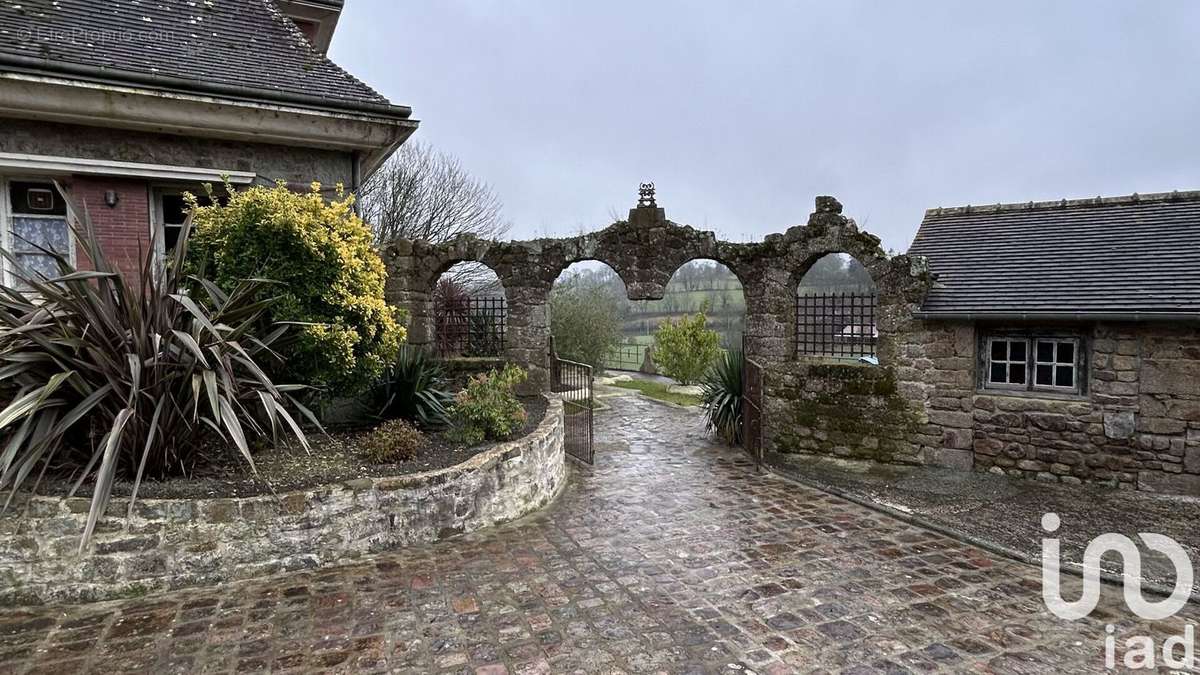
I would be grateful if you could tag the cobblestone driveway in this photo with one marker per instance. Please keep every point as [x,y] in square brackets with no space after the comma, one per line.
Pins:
[671,555]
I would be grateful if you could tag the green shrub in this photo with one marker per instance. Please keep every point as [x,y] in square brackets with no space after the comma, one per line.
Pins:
[488,409]
[722,397]
[393,441]
[585,320]
[411,389]
[331,279]
[107,376]
[684,349]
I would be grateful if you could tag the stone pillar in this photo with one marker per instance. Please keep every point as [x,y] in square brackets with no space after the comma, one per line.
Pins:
[527,335]
[770,316]
[405,290]
[419,305]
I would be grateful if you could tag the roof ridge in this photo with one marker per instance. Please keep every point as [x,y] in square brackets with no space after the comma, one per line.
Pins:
[298,36]
[1135,198]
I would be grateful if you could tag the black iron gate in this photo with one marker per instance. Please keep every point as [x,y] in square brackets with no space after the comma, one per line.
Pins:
[574,382]
[752,397]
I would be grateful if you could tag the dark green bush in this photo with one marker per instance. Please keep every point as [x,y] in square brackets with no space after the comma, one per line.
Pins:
[107,376]
[488,409]
[393,441]
[722,397]
[412,389]
[585,320]
[330,279]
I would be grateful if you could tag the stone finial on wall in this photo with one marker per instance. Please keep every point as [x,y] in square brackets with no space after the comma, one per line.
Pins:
[647,209]
[827,204]
[646,196]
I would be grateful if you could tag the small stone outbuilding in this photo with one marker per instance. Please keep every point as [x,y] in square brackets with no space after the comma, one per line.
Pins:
[1061,340]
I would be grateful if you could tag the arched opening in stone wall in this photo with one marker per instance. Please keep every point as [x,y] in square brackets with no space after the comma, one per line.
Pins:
[647,249]
[703,284]
[588,307]
[836,310]
[470,312]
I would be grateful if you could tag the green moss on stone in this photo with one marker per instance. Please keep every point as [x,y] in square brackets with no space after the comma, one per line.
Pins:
[846,406]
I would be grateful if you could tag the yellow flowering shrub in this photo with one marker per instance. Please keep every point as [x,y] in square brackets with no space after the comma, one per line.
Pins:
[327,274]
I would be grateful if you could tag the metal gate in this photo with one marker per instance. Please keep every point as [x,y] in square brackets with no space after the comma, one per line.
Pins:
[574,382]
[752,396]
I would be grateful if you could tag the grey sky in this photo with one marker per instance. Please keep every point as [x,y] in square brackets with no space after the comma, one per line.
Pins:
[742,112]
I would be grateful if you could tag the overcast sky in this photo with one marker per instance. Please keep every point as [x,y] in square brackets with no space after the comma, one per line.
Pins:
[742,112]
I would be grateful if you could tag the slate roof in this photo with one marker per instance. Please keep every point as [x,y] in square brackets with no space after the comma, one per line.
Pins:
[232,43]
[1134,254]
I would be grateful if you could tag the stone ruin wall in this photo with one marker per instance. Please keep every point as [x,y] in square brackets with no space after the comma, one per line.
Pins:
[920,405]
[826,408]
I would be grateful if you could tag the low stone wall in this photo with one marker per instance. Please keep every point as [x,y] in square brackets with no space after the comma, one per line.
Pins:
[174,543]
[839,409]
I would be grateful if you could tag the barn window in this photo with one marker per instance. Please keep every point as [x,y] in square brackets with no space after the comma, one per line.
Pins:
[1031,362]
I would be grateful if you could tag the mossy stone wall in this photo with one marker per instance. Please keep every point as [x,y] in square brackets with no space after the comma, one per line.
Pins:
[847,410]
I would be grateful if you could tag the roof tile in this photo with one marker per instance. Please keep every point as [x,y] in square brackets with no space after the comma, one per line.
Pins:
[245,43]
[1139,253]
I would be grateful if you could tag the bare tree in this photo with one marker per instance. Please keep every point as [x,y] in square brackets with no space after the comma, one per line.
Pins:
[423,194]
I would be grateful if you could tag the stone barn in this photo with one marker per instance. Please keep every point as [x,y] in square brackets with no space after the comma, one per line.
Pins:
[1061,340]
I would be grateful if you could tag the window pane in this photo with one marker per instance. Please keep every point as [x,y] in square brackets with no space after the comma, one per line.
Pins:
[36,199]
[1016,373]
[1045,375]
[1045,351]
[1066,352]
[174,210]
[171,236]
[1016,351]
[999,350]
[998,372]
[49,233]
[1064,376]
[33,264]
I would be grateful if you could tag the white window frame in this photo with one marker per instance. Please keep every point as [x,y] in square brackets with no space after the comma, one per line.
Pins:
[157,215]
[1008,364]
[6,221]
[1054,365]
[158,221]
[1031,387]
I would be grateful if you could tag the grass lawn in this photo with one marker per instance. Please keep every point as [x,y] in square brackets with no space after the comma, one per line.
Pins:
[659,391]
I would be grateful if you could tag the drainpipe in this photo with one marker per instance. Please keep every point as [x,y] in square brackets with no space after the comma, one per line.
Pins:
[355,179]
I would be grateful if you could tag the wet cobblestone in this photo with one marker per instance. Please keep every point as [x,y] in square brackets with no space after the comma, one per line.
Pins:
[671,555]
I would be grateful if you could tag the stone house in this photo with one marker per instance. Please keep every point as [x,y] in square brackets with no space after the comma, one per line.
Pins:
[1061,340]
[129,104]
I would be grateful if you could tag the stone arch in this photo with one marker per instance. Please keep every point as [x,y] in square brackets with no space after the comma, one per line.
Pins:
[617,272]
[575,346]
[415,272]
[645,250]
[469,307]
[837,300]
[731,341]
